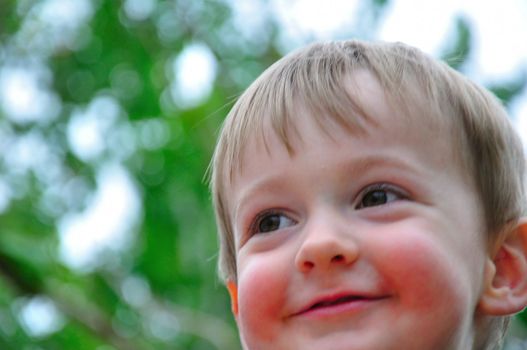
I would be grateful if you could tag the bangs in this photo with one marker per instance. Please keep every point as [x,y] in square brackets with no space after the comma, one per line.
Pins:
[317,82]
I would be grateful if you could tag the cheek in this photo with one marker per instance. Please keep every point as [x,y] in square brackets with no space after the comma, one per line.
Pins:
[262,290]
[436,295]
[427,273]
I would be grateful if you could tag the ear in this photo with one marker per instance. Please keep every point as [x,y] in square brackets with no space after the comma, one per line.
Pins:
[505,289]
[232,287]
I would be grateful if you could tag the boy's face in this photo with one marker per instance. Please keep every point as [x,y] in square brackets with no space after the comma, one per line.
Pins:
[370,241]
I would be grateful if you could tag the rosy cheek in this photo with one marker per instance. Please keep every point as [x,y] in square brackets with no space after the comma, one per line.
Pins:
[262,291]
[424,272]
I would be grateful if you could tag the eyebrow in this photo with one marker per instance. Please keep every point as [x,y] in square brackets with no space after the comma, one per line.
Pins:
[364,164]
[266,185]
[350,168]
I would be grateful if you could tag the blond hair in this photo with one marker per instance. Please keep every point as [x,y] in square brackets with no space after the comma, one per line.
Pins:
[315,77]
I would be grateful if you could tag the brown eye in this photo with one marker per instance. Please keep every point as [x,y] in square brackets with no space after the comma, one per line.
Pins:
[373,198]
[272,222]
[379,195]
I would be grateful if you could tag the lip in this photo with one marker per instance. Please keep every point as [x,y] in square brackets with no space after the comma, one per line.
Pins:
[337,303]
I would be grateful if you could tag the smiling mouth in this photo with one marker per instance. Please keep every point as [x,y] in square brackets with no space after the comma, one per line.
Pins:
[339,303]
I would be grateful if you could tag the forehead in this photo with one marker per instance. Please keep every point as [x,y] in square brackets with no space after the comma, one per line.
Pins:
[372,109]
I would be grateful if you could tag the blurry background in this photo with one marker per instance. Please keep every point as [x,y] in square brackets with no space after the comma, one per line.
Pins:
[108,115]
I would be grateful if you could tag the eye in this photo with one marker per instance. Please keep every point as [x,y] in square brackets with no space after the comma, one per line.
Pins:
[271,221]
[379,194]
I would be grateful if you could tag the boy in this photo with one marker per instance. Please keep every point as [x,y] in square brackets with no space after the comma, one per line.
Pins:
[369,197]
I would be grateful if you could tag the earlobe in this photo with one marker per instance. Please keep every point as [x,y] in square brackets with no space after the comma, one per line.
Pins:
[232,287]
[505,289]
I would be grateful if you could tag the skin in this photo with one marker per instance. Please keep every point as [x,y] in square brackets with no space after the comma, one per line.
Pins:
[385,217]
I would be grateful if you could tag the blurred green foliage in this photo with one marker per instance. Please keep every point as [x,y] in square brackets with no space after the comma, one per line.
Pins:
[161,290]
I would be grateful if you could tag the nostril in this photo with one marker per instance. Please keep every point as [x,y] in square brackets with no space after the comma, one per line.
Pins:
[308,265]
[337,258]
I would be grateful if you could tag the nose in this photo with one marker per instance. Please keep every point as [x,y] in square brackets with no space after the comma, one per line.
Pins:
[326,246]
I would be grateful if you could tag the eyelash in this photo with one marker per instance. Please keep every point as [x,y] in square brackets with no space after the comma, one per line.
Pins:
[384,187]
[254,227]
